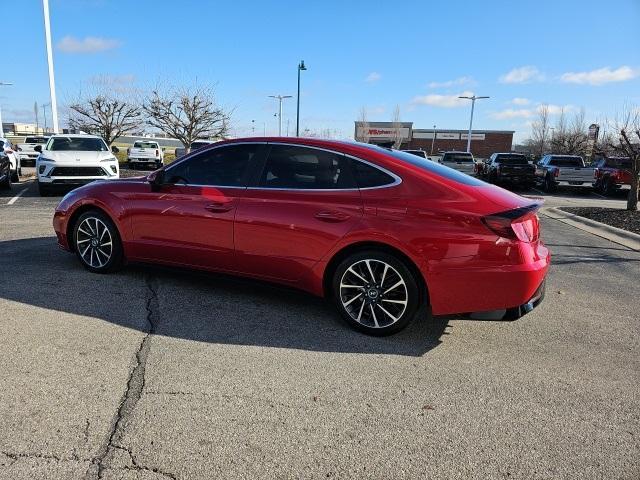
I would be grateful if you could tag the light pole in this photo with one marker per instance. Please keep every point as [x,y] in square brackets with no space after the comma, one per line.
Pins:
[301,67]
[473,104]
[433,139]
[280,98]
[52,81]
[3,84]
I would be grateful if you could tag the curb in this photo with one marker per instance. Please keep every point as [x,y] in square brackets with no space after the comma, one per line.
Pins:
[613,234]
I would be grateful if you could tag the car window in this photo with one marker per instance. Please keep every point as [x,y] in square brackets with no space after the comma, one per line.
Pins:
[566,161]
[458,157]
[368,176]
[294,167]
[35,140]
[77,144]
[512,159]
[222,167]
[1,144]
[145,145]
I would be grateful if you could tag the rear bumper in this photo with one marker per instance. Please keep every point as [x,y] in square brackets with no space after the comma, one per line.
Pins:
[513,313]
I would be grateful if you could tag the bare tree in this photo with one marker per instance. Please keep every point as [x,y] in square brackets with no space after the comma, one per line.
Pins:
[105,114]
[187,114]
[571,138]
[396,125]
[539,141]
[623,140]
[364,125]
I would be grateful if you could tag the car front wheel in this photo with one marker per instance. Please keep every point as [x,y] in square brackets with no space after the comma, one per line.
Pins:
[97,242]
[376,293]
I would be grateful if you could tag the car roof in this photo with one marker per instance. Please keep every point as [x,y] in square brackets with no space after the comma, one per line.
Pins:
[456,151]
[74,135]
[562,155]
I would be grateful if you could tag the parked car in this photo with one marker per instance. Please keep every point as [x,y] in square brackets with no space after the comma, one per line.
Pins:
[11,151]
[418,153]
[180,151]
[27,151]
[460,161]
[378,232]
[511,168]
[74,160]
[553,171]
[5,171]
[611,174]
[145,152]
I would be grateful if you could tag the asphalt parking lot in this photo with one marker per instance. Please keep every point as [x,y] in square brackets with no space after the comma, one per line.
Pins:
[155,373]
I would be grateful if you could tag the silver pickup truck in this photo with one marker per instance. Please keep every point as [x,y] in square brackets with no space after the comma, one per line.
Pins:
[553,171]
[27,151]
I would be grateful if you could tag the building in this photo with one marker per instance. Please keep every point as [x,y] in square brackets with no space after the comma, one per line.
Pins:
[483,142]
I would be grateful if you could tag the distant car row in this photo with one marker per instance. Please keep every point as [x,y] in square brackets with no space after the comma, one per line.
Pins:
[607,175]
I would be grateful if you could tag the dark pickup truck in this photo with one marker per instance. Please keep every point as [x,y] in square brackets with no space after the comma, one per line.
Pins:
[513,168]
[611,174]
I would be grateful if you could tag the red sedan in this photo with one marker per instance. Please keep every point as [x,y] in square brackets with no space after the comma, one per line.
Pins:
[379,232]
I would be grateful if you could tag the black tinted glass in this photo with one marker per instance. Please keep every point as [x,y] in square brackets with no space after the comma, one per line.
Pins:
[457,157]
[223,166]
[305,168]
[78,144]
[368,176]
[566,161]
[512,159]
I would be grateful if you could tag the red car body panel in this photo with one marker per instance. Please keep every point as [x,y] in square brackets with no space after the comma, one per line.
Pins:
[291,236]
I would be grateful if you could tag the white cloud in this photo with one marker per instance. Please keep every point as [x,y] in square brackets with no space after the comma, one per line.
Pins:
[531,112]
[601,75]
[71,44]
[373,77]
[451,83]
[444,101]
[525,74]
[521,101]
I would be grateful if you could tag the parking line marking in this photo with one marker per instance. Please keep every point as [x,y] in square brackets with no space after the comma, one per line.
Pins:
[20,193]
[601,196]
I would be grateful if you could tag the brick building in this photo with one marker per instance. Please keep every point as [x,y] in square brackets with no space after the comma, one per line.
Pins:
[483,142]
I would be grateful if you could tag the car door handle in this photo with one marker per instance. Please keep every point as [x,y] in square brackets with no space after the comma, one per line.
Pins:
[219,207]
[332,216]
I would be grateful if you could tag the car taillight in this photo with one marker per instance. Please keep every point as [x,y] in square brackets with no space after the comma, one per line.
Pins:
[518,224]
[596,173]
[556,172]
[8,150]
[157,152]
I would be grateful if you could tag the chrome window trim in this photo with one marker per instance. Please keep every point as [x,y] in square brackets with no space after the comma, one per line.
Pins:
[396,179]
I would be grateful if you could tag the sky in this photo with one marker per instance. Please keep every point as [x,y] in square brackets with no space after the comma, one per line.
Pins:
[418,55]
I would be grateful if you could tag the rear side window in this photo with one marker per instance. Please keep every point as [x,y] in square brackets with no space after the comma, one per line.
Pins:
[303,168]
[368,176]
[222,167]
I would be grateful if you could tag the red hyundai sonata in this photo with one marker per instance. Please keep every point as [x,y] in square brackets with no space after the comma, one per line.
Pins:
[379,232]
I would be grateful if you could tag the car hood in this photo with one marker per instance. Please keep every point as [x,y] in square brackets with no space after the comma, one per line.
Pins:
[76,158]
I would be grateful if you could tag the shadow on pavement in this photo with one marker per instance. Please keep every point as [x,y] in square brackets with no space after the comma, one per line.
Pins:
[195,306]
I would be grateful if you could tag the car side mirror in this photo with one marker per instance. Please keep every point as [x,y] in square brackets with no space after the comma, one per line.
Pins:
[164,149]
[156,179]
[115,150]
[38,148]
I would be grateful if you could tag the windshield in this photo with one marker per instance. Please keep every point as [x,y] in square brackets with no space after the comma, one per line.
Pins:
[567,161]
[432,167]
[78,144]
[457,157]
[145,145]
[512,159]
[35,140]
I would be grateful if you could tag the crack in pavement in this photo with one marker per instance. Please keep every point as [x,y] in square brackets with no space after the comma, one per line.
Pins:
[15,456]
[133,392]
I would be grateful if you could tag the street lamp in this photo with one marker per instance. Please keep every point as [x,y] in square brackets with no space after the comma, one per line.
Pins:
[3,84]
[280,98]
[473,103]
[300,68]
[52,81]
[433,139]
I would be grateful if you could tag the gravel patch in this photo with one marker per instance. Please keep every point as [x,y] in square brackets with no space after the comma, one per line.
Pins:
[614,217]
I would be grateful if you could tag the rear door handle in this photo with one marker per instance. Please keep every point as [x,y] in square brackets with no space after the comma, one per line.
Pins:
[219,207]
[332,216]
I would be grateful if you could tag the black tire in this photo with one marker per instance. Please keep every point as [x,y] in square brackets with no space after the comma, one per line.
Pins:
[608,187]
[6,183]
[97,251]
[369,316]
[549,185]
[44,190]
[14,177]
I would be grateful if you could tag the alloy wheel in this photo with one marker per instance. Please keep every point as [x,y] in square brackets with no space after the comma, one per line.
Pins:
[373,293]
[94,242]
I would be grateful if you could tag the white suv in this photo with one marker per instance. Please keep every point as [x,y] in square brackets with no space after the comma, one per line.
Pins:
[74,160]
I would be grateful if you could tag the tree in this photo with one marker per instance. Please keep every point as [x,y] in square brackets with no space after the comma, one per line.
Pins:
[539,140]
[571,138]
[364,125]
[396,125]
[106,115]
[187,114]
[623,140]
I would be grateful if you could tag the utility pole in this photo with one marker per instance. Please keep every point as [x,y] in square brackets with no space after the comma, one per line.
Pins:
[433,139]
[44,114]
[35,111]
[301,67]
[473,104]
[3,84]
[52,81]
[280,99]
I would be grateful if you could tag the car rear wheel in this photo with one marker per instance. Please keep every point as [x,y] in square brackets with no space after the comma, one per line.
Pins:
[97,242]
[549,185]
[15,177]
[376,293]
[6,183]
[608,187]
